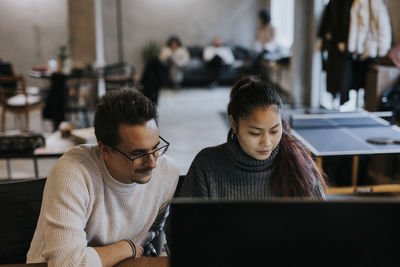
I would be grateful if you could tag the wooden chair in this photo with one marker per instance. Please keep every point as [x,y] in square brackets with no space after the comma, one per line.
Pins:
[179,185]
[80,98]
[20,203]
[16,99]
[119,75]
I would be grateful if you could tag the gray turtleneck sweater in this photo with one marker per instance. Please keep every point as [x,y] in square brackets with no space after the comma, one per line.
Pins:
[227,172]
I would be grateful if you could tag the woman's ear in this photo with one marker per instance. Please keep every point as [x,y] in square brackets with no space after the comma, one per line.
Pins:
[233,124]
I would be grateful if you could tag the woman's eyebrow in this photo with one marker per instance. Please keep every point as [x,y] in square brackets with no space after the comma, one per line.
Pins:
[275,126]
[256,128]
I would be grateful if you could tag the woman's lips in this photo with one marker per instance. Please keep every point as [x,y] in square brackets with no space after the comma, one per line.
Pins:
[264,152]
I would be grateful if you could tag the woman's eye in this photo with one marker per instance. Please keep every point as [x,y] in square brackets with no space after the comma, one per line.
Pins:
[255,134]
[274,132]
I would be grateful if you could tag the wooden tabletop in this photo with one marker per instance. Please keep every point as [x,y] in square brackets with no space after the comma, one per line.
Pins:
[140,262]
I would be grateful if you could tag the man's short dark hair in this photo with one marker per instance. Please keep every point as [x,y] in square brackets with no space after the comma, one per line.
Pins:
[121,106]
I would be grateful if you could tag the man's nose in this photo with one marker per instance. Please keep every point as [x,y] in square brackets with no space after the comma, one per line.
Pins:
[150,160]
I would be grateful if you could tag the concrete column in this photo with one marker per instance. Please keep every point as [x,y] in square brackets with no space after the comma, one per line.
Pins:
[99,34]
[82,34]
[303,49]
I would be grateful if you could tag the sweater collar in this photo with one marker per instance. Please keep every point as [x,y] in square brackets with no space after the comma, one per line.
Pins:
[240,159]
[111,182]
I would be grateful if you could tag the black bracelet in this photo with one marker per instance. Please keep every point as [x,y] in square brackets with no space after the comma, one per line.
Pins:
[132,246]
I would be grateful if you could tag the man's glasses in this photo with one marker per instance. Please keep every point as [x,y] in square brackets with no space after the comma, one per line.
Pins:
[156,152]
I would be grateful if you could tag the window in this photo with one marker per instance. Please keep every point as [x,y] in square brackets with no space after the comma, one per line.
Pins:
[282,18]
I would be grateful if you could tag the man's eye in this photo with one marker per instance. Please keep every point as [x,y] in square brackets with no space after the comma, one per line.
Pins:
[135,154]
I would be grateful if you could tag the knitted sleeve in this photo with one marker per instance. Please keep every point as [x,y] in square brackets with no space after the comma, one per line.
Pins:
[196,182]
[65,207]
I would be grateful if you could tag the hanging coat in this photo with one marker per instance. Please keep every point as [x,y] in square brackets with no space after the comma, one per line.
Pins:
[334,31]
[370,32]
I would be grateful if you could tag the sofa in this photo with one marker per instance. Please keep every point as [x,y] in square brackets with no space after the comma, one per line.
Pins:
[198,73]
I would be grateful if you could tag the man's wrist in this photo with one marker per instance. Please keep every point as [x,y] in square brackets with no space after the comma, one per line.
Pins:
[133,246]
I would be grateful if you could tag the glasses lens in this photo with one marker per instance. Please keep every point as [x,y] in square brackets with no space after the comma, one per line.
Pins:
[156,153]
[162,151]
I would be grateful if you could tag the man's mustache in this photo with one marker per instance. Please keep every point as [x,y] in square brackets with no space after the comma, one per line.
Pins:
[144,170]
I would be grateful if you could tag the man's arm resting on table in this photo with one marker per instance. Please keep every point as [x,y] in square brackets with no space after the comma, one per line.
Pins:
[116,252]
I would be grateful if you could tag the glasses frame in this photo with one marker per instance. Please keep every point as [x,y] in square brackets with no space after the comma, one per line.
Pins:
[147,154]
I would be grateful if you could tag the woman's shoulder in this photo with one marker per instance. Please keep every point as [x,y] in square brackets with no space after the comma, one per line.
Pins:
[210,153]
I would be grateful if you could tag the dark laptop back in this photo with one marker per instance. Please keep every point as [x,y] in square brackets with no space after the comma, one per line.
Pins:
[285,233]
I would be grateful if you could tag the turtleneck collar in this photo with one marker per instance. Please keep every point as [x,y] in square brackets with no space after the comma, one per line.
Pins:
[243,161]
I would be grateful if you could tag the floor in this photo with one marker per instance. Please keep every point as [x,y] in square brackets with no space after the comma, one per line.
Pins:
[190,119]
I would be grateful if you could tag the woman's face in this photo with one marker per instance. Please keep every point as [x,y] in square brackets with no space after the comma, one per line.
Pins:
[174,45]
[260,132]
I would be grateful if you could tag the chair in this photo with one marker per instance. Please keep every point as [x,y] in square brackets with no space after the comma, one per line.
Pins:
[119,75]
[80,98]
[20,203]
[15,98]
[179,185]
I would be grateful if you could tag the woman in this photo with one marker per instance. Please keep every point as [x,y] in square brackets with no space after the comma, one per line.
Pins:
[260,159]
[175,57]
[265,36]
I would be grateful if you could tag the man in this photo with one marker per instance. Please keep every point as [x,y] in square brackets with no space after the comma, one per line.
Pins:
[217,50]
[101,202]
[217,57]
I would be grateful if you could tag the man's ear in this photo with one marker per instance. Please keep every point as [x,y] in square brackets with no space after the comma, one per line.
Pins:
[104,150]
[233,124]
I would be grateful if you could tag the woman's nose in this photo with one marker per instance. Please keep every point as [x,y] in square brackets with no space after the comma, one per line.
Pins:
[265,140]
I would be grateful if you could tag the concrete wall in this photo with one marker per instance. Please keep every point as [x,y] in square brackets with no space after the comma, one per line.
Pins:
[31,32]
[196,22]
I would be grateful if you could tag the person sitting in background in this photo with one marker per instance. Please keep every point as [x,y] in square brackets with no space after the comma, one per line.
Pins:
[261,159]
[175,57]
[103,203]
[217,56]
[265,33]
[219,52]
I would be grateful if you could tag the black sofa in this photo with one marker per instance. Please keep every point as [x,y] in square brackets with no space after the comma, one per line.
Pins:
[197,73]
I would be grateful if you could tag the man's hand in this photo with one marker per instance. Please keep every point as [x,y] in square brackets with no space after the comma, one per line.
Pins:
[139,250]
[116,252]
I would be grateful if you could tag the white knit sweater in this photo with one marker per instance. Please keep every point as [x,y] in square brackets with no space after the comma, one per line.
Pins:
[84,206]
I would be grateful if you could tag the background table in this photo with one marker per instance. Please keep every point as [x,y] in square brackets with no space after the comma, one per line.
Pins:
[55,147]
[340,134]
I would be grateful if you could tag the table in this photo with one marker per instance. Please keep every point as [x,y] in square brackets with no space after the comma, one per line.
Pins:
[339,134]
[139,262]
[55,147]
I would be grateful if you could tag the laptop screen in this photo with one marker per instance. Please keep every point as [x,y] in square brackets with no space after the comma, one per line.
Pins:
[284,233]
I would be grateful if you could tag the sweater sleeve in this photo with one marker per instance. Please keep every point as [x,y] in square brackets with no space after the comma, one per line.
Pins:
[65,205]
[195,183]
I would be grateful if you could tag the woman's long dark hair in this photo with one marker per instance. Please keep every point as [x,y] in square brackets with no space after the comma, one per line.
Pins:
[295,170]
